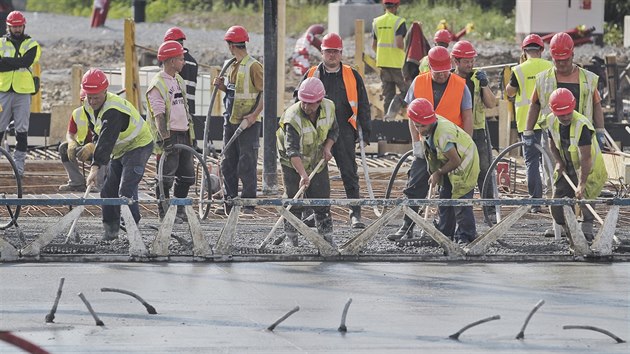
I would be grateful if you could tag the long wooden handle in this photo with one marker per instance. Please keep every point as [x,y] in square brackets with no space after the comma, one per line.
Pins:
[588,206]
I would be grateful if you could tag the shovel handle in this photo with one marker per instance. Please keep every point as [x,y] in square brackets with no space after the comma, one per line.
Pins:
[588,206]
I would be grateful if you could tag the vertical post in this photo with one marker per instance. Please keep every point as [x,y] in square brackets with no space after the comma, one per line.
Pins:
[132,79]
[270,121]
[36,99]
[75,85]
[281,60]
[359,29]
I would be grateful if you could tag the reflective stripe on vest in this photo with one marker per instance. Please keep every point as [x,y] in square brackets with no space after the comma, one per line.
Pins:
[464,178]
[388,55]
[451,101]
[312,137]
[350,84]
[598,175]
[21,80]
[546,83]
[479,109]
[137,133]
[525,74]
[80,119]
[245,93]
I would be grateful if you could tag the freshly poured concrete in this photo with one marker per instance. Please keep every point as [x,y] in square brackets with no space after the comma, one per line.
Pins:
[396,307]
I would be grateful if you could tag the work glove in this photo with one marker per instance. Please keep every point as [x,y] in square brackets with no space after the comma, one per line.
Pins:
[86,152]
[166,145]
[482,77]
[418,149]
[73,146]
[600,133]
[529,138]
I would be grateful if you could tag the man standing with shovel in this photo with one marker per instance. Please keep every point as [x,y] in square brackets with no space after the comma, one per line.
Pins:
[307,131]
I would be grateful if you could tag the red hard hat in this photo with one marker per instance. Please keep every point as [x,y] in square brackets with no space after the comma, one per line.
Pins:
[15,18]
[169,49]
[236,34]
[439,59]
[421,111]
[174,34]
[442,36]
[562,102]
[94,81]
[463,49]
[561,46]
[391,2]
[531,40]
[332,41]
[311,90]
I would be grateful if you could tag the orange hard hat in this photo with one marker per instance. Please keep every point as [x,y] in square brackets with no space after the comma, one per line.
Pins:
[562,102]
[332,41]
[94,81]
[311,90]
[174,34]
[561,46]
[421,111]
[236,34]
[439,59]
[442,36]
[532,40]
[16,18]
[169,49]
[463,49]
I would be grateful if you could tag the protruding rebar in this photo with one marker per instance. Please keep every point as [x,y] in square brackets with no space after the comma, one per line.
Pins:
[342,327]
[273,326]
[150,309]
[456,335]
[51,315]
[596,329]
[521,334]
[89,307]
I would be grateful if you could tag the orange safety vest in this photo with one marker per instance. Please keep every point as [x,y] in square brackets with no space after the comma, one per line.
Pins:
[451,102]
[350,83]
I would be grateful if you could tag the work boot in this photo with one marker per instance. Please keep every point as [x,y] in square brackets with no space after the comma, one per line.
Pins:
[180,216]
[587,229]
[291,238]
[406,231]
[549,233]
[325,227]
[20,158]
[356,223]
[72,188]
[111,231]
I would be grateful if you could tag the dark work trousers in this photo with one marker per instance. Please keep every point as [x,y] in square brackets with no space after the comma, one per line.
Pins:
[485,159]
[240,159]
[562,190]
[123,177]
[533,159]
[457,222]
[391,78]
[319,188]
[417,183]
[345,156]
[178,168]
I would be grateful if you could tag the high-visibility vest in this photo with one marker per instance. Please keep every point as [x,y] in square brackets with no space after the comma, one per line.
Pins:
[598,175]
[525,74]
[137,133]
[350,84]
[479,109]
[464,178]
[451,101]
[158,82]
[245,93]
[387,54]
[312,137]
[81,120]
[546,83]
[21,79]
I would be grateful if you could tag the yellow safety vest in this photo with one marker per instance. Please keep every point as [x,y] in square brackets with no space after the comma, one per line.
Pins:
[21,79]
[245,93]
[137,133]
[387,54]
[424,65]
[546,83]
[158,82]
[312,137]
[526,76]
[598,175]
[479,113]
[464,177]
[81,121]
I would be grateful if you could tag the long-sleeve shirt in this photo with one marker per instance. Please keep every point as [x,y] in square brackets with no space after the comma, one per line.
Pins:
[114,122]
[18,62]
[292,138]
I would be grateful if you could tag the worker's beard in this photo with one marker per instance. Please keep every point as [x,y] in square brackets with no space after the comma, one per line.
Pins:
[17,36]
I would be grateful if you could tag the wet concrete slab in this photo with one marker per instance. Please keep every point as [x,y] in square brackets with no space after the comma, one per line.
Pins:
[396,307]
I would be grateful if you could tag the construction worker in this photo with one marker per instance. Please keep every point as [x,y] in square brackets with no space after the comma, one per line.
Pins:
[416,49]
[344,86]
[453,163]
[307,131]
[243,101]
[301,52]
[521,87]
[452,99]
[18,53]
[463,55]
[578,156]
[441,38]
[79,146]
[190,70]
[170,123]
[124,144]
[388,42]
